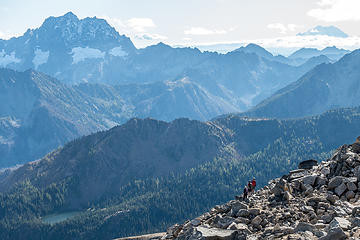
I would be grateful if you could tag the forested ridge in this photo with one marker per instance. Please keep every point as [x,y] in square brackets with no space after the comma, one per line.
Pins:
[152,204]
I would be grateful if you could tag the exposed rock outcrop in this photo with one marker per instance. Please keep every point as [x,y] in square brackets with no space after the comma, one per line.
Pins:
[322,202]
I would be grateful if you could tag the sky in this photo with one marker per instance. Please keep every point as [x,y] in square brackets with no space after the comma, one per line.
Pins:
[271,23]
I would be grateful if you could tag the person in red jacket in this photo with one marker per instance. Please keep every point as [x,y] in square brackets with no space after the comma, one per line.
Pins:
[253,184]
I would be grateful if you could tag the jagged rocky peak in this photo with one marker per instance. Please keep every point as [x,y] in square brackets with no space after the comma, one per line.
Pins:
[316,201]
[72,28]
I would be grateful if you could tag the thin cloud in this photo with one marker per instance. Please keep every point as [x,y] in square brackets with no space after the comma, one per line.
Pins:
[336,10]
[203,31]
[282,28]
[151,37]
[140,24]
[284,45]
[137,25]
[7,35]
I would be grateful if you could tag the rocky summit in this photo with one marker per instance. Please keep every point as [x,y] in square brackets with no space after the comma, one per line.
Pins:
[317,202]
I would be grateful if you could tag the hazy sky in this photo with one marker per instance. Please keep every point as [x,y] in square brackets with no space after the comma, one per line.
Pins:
[192,21]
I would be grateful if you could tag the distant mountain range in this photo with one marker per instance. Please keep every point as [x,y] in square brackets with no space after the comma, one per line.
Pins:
[99,79]
[327,86]
[331,52]
[331,31]
[299,57]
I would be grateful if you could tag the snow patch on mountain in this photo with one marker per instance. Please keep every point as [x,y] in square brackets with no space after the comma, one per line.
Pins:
[6,59]
[80,54]
[118,52]
[40,57]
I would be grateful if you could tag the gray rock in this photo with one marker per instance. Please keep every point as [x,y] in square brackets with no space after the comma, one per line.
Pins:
[256,221]
[237,205]
[215,233]
[242,220]
[356,212]
[325,171]
[350,195]
[308,164]
[303,227]
[240,227]
[331,198]
[335,182]
[340,222]
[340,189]
[351,186]
[243,213]
[357,173]
[195,222]
[321,181]
[296,174]
[310,180]
[288,196]
[254,211]
[174,230]
[224,222]
[334,234]
[355,222]
[327,218]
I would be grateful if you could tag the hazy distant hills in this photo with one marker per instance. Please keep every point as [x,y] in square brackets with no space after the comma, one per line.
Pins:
[327,86]
[299,57]
[332,53]
[38,113]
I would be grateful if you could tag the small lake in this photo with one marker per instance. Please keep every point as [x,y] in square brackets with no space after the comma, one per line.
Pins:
[59,217]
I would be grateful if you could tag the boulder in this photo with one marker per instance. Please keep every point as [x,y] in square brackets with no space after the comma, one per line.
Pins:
[243,213]
[321,181]
[308,164]
[340,222]
[256,221]
[335,182]
[240,227]
[355,222]
[355,147]
[215,233]
[254,211]
[224,222]
[325,171]
[357,172]
[195,222]
[340,189]
[174,230]
[334,234]
[303,227]
[237,205]
[309,180]
[332,198]
[295,174]
[327,218]
[351,186]
[288,196]
[350,195]
[356,212]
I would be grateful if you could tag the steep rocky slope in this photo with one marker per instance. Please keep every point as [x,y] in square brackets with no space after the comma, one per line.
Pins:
[38,114]
[313,202]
